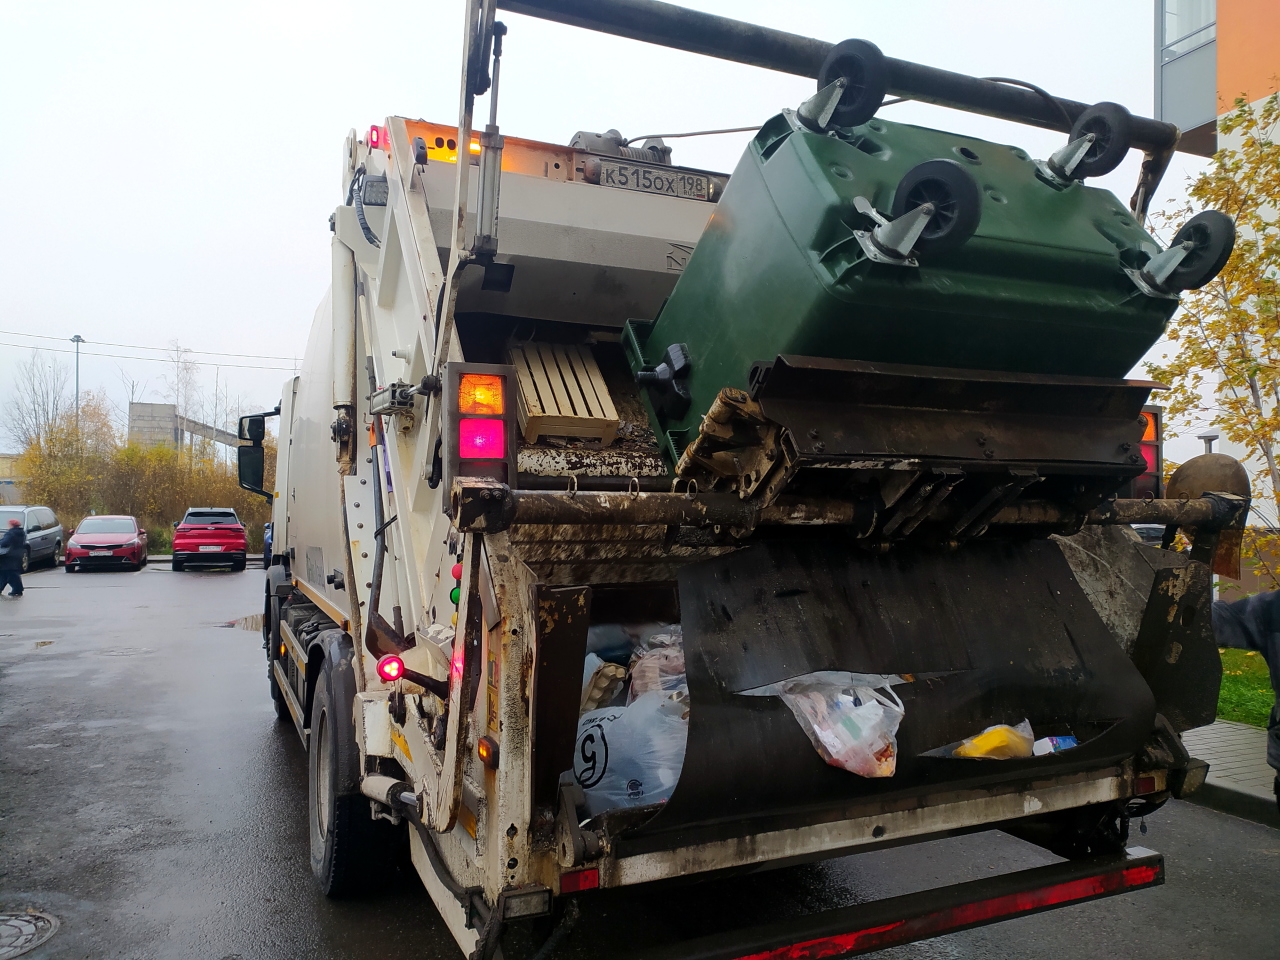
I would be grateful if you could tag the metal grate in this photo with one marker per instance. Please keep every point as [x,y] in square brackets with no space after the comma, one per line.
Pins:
[21,932]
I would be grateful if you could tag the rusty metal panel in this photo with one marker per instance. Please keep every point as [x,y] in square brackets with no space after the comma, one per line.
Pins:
[853,408]
[1176,651]
[564,613]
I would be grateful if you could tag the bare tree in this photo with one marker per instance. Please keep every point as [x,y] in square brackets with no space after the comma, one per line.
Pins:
[181,387]
[41,399]
[136,390]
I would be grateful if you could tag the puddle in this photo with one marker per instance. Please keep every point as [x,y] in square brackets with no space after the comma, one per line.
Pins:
[44,643]
[125,652]
[252,622]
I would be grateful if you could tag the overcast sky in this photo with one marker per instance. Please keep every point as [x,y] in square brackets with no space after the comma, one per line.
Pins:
[170,168]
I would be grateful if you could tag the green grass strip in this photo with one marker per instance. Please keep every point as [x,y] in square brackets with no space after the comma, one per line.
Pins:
[1246,694]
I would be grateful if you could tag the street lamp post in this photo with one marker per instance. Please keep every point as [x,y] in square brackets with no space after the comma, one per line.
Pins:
[77,340]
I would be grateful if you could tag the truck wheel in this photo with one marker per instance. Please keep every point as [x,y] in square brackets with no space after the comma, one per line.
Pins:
[343,839]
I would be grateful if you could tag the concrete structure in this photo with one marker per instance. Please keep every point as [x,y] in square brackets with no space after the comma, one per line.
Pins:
[156,424]
[1208,53]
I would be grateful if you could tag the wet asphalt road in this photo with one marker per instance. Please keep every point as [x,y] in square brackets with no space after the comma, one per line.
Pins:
[150,800]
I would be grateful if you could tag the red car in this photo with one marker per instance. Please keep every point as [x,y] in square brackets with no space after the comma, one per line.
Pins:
[212,535]
[109,542]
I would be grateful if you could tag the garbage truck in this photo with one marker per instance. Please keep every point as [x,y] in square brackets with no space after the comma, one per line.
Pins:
[636,524]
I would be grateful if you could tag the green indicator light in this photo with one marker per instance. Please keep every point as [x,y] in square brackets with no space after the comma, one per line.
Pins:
[454,594]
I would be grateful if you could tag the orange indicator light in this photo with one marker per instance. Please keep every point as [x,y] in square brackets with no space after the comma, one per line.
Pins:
[481,393]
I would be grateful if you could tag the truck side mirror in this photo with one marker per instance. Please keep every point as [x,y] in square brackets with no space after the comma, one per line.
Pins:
[251,462]
[253,429]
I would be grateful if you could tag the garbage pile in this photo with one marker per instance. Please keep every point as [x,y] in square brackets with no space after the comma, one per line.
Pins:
[633,721]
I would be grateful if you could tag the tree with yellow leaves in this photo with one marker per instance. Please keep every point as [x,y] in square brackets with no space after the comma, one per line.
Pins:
[1227,333]
[80,466]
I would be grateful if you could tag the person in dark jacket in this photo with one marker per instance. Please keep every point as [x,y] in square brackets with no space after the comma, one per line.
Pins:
[1254,624]
[12,546]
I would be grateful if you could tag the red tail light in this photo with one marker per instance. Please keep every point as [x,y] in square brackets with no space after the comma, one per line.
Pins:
[482,439]
[390,668]
[577,880]
[377,138]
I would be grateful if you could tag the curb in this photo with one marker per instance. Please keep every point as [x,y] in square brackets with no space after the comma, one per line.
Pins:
[166,557]
[1238,803]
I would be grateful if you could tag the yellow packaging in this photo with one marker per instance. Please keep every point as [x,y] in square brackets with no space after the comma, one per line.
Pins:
[1001,742]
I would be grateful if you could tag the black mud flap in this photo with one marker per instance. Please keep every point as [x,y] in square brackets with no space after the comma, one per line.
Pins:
[996,633]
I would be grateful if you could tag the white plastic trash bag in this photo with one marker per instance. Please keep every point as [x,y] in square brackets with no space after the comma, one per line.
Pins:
[631,756]
[851,718]
[658,664]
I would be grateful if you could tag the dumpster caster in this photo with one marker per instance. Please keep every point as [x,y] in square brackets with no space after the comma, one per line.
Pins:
[1111,127]
[862,66]
[956,200]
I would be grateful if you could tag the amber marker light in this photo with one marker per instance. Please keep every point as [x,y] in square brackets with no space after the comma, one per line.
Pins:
[487,750]
[481,393]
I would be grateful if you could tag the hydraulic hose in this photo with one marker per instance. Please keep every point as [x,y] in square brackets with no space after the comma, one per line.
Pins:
[380,527]
[354,192]
[567,920]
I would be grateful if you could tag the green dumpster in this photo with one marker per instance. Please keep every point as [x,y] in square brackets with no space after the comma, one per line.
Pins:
[1025,275]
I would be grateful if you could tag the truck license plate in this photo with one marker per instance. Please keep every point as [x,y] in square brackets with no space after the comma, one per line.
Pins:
[214,549]
[99,553]
[671,183]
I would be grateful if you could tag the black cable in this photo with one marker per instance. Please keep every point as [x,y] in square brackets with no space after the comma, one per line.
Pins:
[354,193]
[1049,97]
[567,920]
[460,893]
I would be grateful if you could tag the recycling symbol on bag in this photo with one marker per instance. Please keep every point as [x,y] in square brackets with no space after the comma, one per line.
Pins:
[591,758]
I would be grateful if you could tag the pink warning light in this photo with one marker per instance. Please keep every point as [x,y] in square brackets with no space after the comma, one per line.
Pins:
[482,439]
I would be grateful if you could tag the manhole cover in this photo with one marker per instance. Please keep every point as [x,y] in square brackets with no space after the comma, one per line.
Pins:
[20,932]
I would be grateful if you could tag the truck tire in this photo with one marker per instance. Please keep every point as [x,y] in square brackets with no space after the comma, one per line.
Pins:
[345,846]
